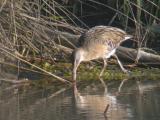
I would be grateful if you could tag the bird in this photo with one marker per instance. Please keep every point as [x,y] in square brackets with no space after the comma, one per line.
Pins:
[99,42]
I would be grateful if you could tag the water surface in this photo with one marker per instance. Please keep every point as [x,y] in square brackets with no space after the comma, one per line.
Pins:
[128,100]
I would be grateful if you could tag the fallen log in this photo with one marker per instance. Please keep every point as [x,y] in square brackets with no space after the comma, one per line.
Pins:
[130,55]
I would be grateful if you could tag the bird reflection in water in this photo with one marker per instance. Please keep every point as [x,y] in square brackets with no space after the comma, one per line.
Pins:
[99,102]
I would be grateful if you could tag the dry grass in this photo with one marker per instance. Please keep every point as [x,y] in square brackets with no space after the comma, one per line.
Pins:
[29,28]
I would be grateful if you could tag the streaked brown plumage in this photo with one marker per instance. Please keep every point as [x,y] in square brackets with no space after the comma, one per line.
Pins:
[98,42]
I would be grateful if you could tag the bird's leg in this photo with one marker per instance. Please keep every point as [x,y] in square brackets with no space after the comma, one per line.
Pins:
[121,84]
[104,67]
[120,64]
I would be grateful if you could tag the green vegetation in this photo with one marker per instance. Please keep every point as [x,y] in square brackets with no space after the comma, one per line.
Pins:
[113,72]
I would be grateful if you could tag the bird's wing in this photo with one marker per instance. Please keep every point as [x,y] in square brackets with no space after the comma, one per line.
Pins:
[103,35]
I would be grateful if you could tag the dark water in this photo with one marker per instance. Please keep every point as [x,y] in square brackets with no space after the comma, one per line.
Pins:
[128,100]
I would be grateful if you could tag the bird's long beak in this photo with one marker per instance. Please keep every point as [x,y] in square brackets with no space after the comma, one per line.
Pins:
[74,76]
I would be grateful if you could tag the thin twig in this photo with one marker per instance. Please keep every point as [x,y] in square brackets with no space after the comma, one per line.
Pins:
[106,109]
[57,77]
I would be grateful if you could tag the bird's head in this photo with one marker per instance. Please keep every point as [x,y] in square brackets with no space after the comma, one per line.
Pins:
[76,58]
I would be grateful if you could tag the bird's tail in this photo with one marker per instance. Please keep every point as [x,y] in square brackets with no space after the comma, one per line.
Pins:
[128,37]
